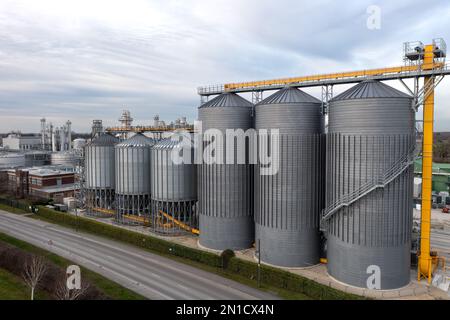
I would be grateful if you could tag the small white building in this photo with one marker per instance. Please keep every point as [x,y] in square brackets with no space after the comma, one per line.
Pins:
[17,141]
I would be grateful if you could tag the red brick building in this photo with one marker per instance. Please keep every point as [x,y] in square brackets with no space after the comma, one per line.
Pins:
[47,182]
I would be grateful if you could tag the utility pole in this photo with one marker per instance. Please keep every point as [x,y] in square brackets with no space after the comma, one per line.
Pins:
[259,263]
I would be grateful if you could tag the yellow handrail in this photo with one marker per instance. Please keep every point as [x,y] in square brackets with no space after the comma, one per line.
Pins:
[334,76]
[102,210]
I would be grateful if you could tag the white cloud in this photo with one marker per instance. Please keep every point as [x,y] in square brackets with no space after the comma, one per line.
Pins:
[86,59]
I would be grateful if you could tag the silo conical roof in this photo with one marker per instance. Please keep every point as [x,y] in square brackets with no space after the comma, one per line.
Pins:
[370,89]
[104,139]
[138,140]
[227,99]
[289,95]
[168,144]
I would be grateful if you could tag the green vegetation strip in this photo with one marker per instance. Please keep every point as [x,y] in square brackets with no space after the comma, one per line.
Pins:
[13,288]
[286,284]
[108,287]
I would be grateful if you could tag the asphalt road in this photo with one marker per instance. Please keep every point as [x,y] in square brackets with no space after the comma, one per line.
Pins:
[440,241]
[150,275]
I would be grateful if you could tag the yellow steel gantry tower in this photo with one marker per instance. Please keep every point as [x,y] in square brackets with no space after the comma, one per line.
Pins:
[427,62]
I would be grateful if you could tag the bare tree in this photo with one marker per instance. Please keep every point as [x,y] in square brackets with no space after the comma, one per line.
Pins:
[34,270]
[62,291]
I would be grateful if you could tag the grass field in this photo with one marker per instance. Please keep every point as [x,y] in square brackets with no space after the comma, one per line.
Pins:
[11,209]
[12,287]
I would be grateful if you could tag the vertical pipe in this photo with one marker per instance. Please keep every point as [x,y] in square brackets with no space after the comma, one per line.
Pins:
[427,165]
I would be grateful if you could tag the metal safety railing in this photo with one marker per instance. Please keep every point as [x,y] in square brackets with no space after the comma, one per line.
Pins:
[416,70]
[378,182]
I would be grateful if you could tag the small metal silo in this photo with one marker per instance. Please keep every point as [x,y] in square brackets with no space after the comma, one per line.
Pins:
[288,203]
[225,190]
[133,179]
[100,174]
[368,213]
[174,187]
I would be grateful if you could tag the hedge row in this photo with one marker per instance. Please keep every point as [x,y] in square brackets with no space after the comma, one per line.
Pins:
[286,280]
[270,276]
[20,204]
[134,238]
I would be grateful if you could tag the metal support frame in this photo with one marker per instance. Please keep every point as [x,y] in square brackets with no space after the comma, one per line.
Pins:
[132,206]
[327,95]
[174,217]
[80,181]
[257,96]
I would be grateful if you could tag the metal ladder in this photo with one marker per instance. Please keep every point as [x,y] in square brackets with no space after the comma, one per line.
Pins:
[378,182]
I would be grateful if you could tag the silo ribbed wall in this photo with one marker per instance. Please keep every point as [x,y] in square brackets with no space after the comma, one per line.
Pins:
[370,142]
[173,189]
[288,203]
[226,190]
[100,175]
[133,177]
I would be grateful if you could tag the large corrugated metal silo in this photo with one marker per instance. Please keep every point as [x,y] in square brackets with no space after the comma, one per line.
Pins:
[133,178]
[288,202]
[226,190]
[100,174]
[174,187]
[368,214]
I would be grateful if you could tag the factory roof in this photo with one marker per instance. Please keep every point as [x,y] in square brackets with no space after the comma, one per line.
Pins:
[46,171]
[56,189]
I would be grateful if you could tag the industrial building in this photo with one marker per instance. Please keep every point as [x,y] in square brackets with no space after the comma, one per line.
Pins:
[21,142]
[48,182]
[56,138]
[341,195]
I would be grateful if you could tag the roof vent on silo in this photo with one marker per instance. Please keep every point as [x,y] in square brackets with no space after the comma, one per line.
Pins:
[370,89]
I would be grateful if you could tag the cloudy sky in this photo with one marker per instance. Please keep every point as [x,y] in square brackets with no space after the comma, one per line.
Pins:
[89,59]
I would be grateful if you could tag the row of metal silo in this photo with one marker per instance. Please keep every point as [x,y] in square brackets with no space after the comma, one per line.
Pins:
[120,180]
[355,181]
